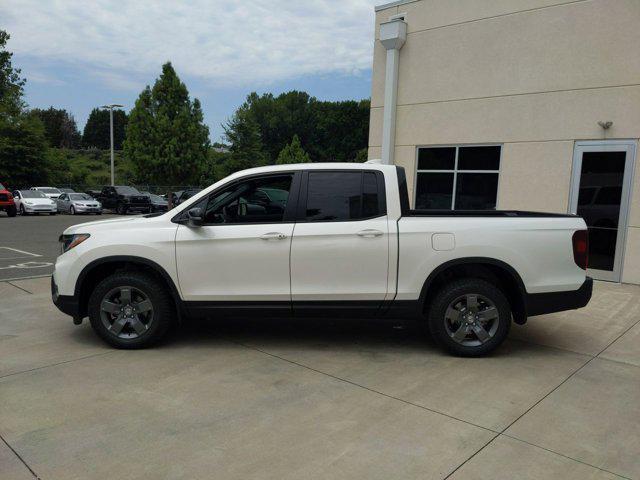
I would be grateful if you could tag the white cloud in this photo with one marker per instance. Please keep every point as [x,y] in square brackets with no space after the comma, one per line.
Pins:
[244,42]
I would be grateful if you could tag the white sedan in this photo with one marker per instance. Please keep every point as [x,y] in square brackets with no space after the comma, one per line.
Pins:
[34,201]
[50,192]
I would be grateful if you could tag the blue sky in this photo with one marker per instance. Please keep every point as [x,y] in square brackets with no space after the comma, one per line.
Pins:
[77,54]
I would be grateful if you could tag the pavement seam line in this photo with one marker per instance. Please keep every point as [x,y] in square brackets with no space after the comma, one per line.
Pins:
[344,380]
[473,455]
[563,455]
[56,364]
[23,289]
[19,458]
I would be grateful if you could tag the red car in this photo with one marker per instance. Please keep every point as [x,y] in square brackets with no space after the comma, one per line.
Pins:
[6,202]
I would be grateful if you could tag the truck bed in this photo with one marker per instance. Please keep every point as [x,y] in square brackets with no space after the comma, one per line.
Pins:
[482,213]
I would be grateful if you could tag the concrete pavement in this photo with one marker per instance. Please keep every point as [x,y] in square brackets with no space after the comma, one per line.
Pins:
[319,399]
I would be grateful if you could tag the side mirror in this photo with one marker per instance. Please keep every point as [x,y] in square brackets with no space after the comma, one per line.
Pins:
[194,217]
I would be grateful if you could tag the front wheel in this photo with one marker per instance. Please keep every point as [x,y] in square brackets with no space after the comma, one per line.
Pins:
[121,210]
[11,211]
[72,210]
[469,317]
[131,310]
[23,211]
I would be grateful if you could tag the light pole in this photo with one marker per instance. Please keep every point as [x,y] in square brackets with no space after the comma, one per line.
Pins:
[111,107]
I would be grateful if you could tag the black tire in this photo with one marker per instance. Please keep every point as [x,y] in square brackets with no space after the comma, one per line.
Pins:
[121,210]
[53,213]
[487,296]
[23,211]
[162,314]
[11,211]
[72,210]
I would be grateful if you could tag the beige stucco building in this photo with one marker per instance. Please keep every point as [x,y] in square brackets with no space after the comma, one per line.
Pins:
[530,80]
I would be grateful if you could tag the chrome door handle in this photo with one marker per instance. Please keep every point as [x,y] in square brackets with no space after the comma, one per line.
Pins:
[273,236]
[369,233]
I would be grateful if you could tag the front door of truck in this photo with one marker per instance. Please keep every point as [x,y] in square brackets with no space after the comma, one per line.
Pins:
[240,256]
[340,248]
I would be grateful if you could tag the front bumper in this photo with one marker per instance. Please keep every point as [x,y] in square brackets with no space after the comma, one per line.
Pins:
[40,208]
[68,304]
[83,209]
[543,303]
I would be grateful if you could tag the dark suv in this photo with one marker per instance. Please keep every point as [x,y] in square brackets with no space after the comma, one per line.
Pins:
[123,200]
[6,202]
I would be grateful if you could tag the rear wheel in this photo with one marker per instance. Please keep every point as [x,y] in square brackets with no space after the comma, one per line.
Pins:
[131,310]
[469,317]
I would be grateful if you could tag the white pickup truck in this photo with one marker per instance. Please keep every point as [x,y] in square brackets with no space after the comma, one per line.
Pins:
[322,240]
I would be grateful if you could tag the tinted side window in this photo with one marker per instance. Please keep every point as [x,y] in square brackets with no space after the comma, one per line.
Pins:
[342,196]
[258,200]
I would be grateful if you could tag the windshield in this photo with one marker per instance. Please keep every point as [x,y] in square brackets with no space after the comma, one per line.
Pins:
[48,190]
[80,196]
[127,191]
[2,187]
[32,194]
[156,198]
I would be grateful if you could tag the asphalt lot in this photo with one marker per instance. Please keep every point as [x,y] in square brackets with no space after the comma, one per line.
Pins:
[274,399]
[29,245]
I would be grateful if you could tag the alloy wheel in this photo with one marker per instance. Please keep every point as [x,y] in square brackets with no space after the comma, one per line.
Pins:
[126,312]
[471,320]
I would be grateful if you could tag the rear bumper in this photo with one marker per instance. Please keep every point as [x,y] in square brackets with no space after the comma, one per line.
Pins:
[543,303]
[65,303]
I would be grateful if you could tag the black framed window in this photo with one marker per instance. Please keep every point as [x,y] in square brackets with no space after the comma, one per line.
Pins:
[457,177]
[255,200]
[343,196]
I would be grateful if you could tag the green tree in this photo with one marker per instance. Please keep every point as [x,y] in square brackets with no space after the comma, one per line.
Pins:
[96,133]
[330,131]
[23,149]
[293,153]
[246,149]
[59,126]
[166,138]
[22,142]
[11,83]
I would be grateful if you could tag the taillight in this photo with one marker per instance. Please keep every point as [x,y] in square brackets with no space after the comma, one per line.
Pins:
[581,248]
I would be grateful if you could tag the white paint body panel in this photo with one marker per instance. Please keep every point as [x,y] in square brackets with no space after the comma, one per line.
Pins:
[340,260]
[233,262]
[327,260]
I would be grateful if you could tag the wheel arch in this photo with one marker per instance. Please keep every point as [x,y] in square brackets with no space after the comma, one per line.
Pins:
[491,269]
[99,269]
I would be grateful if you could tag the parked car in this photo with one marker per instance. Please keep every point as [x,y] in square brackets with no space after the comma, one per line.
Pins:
[74,203]
[340,240]
[34,201]
[94,193]
[158,204]
[50,192]
[183,195]
[123,200]
[67,190]
[6,202]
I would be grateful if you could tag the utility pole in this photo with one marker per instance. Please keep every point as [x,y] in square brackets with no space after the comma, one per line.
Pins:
[111,107]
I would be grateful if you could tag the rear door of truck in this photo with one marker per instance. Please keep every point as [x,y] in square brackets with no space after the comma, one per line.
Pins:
[340,247]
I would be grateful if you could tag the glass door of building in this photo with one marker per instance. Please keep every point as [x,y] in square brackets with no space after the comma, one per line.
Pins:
[600,192]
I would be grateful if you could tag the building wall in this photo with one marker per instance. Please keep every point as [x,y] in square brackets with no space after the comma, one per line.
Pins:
[533,75]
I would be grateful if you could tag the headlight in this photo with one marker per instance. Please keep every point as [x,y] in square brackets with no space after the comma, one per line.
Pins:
[28,203]
[70,241]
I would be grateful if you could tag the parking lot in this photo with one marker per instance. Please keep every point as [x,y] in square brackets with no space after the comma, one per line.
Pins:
[29,245]
[274,399]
